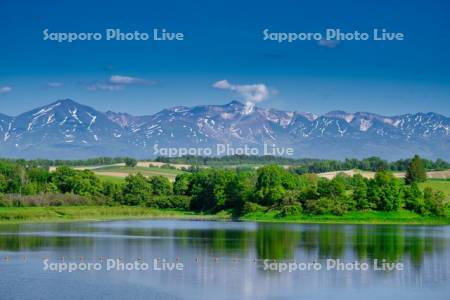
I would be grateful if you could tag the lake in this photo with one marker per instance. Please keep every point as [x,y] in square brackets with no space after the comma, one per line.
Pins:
[223,260]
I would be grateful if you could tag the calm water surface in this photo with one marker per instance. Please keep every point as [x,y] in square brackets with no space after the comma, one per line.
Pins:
[223,260]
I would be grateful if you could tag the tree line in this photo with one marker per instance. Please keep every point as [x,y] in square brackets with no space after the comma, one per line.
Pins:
[215,189]
[96,161]
[300,166]
[306,165]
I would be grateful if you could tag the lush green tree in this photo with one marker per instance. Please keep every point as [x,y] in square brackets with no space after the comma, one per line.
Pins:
[39,175]
[3,184]
[416,171]
[239,190]
[269,185]
[413,198]
[68,180]
[219,181]
[87,184]
[51,188]
[208,189]
[388,191]
[137,190]
[201,191]
[326,205]
[113,191]
[130,162]
[291,210]
[291,197]
[334,188]
[7,168]
[309,187]
[64,179]
[360,192]
[345,180]
[182,184]
[173,201]
[373,194]
[434,202]
[31,188]
[290,181]
[161,186]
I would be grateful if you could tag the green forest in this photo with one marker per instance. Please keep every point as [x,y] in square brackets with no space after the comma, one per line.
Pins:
[212,190]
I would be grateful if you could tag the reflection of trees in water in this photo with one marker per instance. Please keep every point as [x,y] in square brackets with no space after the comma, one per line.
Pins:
[21,237]
[270,241]
[217,241]
[275,242]
[380,242]
[23,242]
[309,241]
[419,245]
[393,243]
[331,241]
[230,240]
[214,241]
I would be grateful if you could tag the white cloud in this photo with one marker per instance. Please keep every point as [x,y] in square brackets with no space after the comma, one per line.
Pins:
[55,84]
[117,83]
[5,89]
[328,43]
[222,84]
[98,86]
[252,93]
[120,79]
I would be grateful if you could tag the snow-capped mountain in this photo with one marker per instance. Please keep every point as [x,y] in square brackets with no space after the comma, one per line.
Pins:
[66,129]
[58,129]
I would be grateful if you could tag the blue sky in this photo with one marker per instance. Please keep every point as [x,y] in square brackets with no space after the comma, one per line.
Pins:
[224,41]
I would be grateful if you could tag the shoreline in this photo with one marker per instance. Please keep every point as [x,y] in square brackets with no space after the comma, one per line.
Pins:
[61,214]
[64,214]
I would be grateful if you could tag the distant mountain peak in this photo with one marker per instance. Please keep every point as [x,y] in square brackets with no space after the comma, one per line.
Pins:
[67,101]
[64,103]
[235,103]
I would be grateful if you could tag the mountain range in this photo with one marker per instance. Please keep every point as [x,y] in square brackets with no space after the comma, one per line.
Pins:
[66,129]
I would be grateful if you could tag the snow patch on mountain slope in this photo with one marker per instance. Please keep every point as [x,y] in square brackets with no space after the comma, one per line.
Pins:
[364,125]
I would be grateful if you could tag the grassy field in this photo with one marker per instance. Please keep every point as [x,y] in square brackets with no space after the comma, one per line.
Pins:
[149,168]
[438,185]
[368,174]
[369,217]
[123,171]
[159,164]
[93,213]
[98,213]
[112,179]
